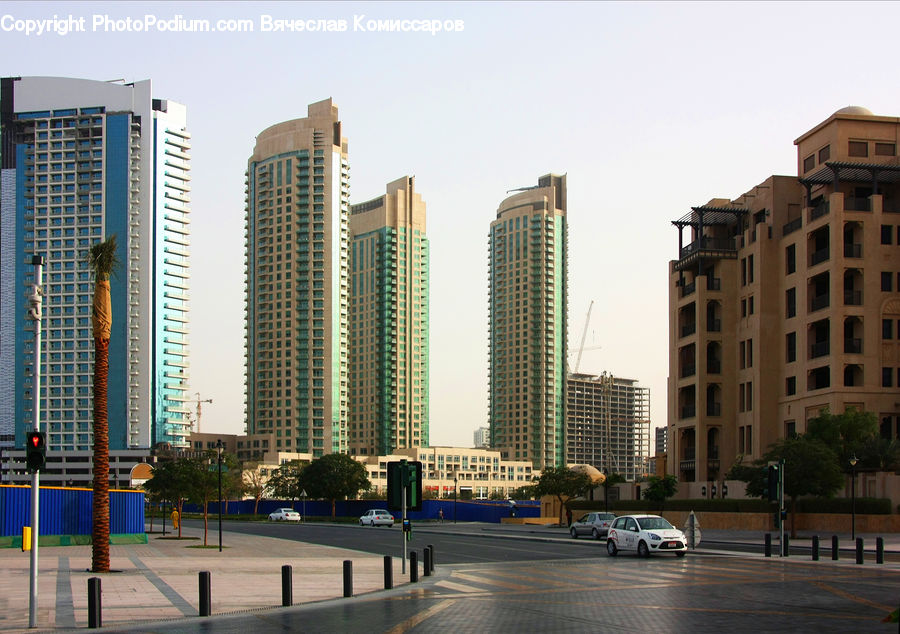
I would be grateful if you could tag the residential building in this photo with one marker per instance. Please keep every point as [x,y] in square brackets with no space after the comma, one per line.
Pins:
[296,306]
[388,322]
[82,161]
[608,424]
[482,437]
[528,327]
[786,301]
[660,441]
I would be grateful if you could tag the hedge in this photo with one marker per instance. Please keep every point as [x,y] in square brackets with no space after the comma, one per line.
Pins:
[866,506]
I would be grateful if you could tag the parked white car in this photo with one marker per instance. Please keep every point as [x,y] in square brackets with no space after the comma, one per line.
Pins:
[645,534]
[377,517]
[279,515]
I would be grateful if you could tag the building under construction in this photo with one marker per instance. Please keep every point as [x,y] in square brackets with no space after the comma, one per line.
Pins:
[608,424]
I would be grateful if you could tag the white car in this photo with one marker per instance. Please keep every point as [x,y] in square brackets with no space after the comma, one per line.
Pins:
[289,515]
[377,517]
[645,534]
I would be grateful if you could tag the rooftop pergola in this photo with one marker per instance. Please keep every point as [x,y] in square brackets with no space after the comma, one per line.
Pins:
[836,171]
[706,246]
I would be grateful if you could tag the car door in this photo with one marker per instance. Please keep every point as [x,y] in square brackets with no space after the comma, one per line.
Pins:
[631,534]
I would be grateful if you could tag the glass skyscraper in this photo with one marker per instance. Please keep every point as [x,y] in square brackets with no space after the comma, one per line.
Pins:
[83,160]
[528,329]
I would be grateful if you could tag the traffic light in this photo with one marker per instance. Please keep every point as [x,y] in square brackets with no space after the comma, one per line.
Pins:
[774,478]
[404,474]
[35,450]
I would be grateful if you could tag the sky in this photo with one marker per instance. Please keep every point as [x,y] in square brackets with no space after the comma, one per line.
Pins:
[649,108]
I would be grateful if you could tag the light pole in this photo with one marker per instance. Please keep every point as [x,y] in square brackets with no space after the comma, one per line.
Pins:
[853,497]
[455,480]
[303,496]
[219,461]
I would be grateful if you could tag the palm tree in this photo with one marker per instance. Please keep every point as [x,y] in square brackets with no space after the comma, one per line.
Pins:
[102,259]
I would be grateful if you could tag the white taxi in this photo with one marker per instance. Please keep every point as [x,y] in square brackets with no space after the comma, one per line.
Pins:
[644,534]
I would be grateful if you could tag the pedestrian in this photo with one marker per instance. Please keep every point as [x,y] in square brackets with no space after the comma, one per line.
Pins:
[175,519]
[441,515]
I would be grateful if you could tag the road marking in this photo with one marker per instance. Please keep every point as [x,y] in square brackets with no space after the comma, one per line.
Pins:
[459,587]
[851,597]
[410,623]
[492,582]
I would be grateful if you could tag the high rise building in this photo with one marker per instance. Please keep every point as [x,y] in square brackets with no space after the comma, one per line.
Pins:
[660,441]
[528,311]
[608,424]
[81,161]
[786,301]
[482,437]
[389,322]
[297,286]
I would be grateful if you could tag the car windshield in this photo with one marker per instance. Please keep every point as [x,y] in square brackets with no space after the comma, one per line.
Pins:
[658,523]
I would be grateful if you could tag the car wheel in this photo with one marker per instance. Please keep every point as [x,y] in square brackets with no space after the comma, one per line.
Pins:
[361,523]
[611,548]
[595,534]
[643,551]
[681,554]
[573,533]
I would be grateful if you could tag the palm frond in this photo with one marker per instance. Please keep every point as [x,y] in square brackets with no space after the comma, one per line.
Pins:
[102,258]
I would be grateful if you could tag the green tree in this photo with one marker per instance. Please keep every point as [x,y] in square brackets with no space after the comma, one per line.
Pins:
[561,482]
[284,482]
[846,434]
[523,493]
[334,476]
[611,480]
[659,489]
[254,483]
[172,481]
[102,260]
[810,468]
[204,482]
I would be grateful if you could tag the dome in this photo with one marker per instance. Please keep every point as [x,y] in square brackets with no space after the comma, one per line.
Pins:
[591,472]
[855,110]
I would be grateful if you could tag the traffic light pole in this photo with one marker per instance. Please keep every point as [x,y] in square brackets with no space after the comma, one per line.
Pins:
[781,506]
[34,312]
[403,521]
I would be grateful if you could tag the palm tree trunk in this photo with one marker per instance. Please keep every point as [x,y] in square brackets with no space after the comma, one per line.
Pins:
[100,531]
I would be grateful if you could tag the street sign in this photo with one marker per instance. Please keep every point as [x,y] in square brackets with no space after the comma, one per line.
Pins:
[692,531]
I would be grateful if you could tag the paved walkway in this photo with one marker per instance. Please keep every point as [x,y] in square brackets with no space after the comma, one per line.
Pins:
[159,580]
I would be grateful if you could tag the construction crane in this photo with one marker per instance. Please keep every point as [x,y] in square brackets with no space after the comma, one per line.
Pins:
[587,322]
[198,401]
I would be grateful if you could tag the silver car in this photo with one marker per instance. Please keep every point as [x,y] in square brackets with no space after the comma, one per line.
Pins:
[377,517]
[594,524]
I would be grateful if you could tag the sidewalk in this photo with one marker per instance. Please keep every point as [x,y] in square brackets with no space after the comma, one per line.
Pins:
[159,580]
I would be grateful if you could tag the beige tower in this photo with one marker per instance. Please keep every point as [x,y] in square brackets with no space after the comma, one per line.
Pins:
[527,259]
[786,301]
[297,238]
[389,322]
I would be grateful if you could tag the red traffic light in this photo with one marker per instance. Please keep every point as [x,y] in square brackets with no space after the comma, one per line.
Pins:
[35,450]
[35,440]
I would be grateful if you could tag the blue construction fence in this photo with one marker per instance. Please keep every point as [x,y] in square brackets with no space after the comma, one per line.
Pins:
[462,510]
[68,511]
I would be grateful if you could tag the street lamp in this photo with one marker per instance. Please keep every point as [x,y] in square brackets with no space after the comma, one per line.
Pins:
[455,481]
[853,462]
[219,463]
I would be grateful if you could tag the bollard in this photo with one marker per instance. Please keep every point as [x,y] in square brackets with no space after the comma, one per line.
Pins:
[95,616]
[348,578]
[431,548]
[287,591]
[815,548]
[205,595]
[786,552]
[768,544]
[879,550]
[413,566]
[388,573]
[859,550]
[834,548]
[426,560]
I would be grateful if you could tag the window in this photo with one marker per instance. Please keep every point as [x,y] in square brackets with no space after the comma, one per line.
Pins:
[885,149]
[887,377]
[750,396]
[744,268]
[887,280]
[790,429]
[790,299]
[742,347]
[887,328]
[743,308]
[790,256]
[824,154]
[749,353]
[886,234]
[809,162]
[790,386]
[750,310]
[858,148]
[790,344]
[750,268]
[741,397]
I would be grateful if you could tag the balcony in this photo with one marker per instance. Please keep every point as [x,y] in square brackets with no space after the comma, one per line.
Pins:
[713,409]
[819,256]
[819,349]
[714,283]
[852,298]
[792,226]
[688,330]
[714,325]
[819,210]
[819,302]
[714,366]
[688,370]
[688,289]
[852,250]
[852,346]
[857,204]
[688,411]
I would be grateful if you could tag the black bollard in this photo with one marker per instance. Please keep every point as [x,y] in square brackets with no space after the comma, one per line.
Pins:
[413,566]
[431,548]
[388,573]
[768,544]
[834,548]
[95,615]
[879,550]
[786,552]
[205,594]
[859,550]
[348,578]
[287,590]
[815,548]
[426,559]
